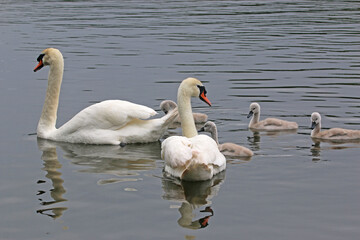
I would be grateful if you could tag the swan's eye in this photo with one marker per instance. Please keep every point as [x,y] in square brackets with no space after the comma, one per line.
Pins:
[40,57]
[202,89]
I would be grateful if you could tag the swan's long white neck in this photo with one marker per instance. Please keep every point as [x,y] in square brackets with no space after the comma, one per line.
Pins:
[185,112]
[49,112]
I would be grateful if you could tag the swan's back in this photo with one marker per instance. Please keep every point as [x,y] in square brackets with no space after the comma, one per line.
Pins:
[338,134]
[109,114]
[100,122]
[235,150]
[192,159]
[274,124]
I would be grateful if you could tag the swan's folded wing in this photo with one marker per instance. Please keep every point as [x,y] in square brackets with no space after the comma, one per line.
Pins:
[176,151]
[340,133]
[117,110]
[272,122]
[109,115]
[209,150]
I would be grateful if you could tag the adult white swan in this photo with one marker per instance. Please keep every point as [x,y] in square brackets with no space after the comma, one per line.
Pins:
[108,122]
[191,157]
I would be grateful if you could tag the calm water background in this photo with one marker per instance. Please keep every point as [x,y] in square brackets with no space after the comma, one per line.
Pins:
[294,57]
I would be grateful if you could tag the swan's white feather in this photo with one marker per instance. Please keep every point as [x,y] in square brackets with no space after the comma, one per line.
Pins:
[192,159]
[112,122]
[109,114]
[107,122]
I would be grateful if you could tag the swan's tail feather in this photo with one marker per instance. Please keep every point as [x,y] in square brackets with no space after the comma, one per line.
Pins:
[170,117]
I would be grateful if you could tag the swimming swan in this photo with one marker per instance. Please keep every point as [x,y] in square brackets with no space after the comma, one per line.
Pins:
[108,122]
[269,124]
[333,134]
[228,149]
[168,105]
[191,157]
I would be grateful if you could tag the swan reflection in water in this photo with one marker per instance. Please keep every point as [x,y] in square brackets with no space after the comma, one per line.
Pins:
[193,196]
[255,140]
[128,164]
[51,166]
[125,163]
[331,145]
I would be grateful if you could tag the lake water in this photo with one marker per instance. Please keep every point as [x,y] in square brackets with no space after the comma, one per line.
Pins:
[293,57]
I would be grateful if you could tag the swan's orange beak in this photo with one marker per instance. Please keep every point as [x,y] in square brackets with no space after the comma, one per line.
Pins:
[204,222]
[39,66]
[204,98]
[202,95]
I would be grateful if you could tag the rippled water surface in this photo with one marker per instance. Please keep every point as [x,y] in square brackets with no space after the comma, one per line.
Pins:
[293,57]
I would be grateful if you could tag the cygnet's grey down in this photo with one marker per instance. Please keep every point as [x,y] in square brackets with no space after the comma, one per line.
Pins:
[333,134]
[168,105]
[269,124]
[228,149]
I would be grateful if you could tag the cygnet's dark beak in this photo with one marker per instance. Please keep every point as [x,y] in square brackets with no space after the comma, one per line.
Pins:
[250,114]
[313,125]
[202,129]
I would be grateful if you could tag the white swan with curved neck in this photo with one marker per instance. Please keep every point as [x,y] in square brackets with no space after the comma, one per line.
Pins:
[108,122]
[191,157]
